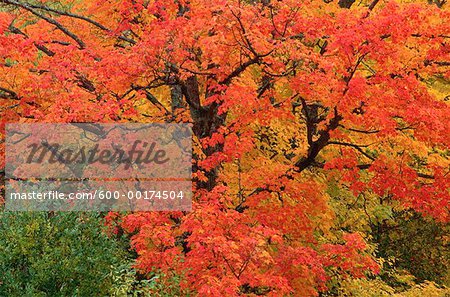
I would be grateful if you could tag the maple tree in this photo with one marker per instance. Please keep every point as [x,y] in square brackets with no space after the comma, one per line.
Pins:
[293,104]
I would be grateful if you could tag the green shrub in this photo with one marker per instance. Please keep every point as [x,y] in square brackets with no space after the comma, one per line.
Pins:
[56,254]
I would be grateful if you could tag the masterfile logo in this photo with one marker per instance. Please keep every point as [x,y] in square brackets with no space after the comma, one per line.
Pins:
[98,166]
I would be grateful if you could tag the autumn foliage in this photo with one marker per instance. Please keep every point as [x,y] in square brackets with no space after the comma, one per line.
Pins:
[294,105]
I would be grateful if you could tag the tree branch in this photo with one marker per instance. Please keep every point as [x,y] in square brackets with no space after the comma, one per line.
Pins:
[422,175]
[65,13]
[319,144]
[309,123]
[373,4]
[8,94]
[58,25]
[355,146]
[239,70]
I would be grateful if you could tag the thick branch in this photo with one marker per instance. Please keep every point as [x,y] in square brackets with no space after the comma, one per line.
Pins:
[316,146]
[346,3]
[373,4]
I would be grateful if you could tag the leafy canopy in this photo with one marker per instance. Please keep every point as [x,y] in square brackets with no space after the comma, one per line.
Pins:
[287,98]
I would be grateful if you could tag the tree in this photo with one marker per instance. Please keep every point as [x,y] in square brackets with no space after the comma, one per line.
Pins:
[63,254]
[286,98]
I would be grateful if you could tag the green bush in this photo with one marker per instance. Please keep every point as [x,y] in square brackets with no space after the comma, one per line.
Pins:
[56,254]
